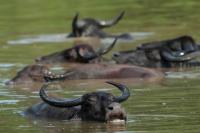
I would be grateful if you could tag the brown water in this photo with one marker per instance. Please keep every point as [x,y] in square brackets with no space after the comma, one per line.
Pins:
[171,105]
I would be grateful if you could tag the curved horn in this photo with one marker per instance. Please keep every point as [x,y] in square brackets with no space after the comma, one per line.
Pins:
[74,25]
[179,56]
[123,89]
[104,24]
[50,76]
[58,102]
[100,52]
[103,51]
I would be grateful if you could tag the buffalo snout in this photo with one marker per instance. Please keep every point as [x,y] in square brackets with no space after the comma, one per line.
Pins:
[115,112]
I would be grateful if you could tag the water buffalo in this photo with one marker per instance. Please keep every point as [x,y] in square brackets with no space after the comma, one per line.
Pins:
[104,71]
[41,73]
[89,27]
[175,52]
[81,53]
[94,106]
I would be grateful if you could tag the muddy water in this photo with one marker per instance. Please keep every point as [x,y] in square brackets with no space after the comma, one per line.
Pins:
[171,105]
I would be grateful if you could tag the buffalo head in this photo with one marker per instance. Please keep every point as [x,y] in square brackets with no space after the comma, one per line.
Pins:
[167,53]
[90,27]
[95,106]
[82,53]
[29,74]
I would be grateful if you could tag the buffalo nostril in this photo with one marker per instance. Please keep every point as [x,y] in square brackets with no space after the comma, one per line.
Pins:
[110,107]
[116,55]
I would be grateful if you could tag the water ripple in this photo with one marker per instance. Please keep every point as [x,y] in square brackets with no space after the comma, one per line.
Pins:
[158,115]
[182,74]
[9,65]
[62,37]
[9,101]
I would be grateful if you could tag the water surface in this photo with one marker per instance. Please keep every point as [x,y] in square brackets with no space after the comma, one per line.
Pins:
[170,106]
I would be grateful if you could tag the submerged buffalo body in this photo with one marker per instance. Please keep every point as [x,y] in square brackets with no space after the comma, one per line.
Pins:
[82,53]
[177,52]
[40,73]
[90,27]
[95,106]
[102,71]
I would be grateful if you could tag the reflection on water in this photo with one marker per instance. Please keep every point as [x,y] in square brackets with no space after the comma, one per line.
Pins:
[55,38]
[8,66]
[183,74]
[41,38]
[8,101]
